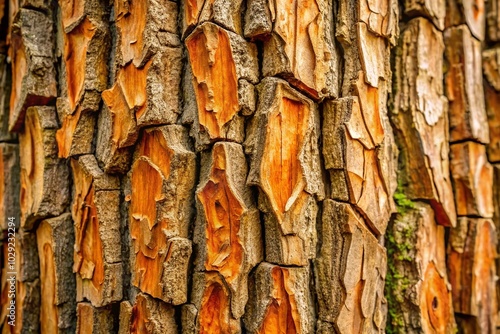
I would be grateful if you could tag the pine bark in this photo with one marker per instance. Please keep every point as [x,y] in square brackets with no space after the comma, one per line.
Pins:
[250,166]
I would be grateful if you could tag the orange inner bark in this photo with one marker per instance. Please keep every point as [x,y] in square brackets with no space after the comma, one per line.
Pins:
[85,315]
[64,136]
[215,81]
[76,43]
[369,102]
[193,9]
[48,309]
[281,315]
[280,169]
[19,70]
[484,273]
[436,299]
[154,146]
[131,24]
[150,242]
[126,97]
[214,313]
[32,165]
[223,212]
[88,257]
[139,319]
[71,10]
[297,24]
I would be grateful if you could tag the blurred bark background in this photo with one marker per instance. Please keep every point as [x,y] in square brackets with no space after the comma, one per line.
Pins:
[250,166]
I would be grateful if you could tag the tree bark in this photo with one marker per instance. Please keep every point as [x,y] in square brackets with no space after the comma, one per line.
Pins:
[249,166]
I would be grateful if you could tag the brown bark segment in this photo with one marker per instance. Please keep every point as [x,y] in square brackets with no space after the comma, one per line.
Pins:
[493,20]
[285,164]
[85,46]
[464,86]
[365,38]
[9,184]
[473,179]
[223,65]
[28,283]
[5,90]
[224,13]
[434,10]
[228,228]
[148,316]
[97,255]
[25,284]
[363,168]
[420,117]
[496,217]
[144,29]
[210,311]
[92,320]
[298,43]
[491,69]
[161,189]
[147,82]
[132,101]
[42,194]
[350,272]
[471,268]
[33,72]
[54,237]
[353,162]
[419,285]
[281,301]
[470,12]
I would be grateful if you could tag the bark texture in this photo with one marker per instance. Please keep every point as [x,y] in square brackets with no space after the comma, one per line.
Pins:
[249,166]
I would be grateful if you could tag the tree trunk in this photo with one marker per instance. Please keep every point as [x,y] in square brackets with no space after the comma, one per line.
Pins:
[258,166]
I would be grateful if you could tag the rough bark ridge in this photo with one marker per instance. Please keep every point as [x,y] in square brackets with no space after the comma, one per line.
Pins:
[250,166]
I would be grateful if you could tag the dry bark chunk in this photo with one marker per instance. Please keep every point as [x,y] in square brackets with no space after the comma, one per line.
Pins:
[283,142]
[148,316]
[228,228]
[57,310]
[470,12]
[349,273]
[419,284]
[9,184]
[420,116]
[73,12]
[472,273]
[33,72]
[493,20]
[350,152]
[298,43]
[473,179]
[140,97]
[464,86]
[5,89]
[224,13]
[365,29]
[219,61]
[84,73]
[281,301]
[491,69]
[97,251]
[162,181]
[210,308]
[92,320]
[25,283]
[434,10]
[144,28]
[44,178]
